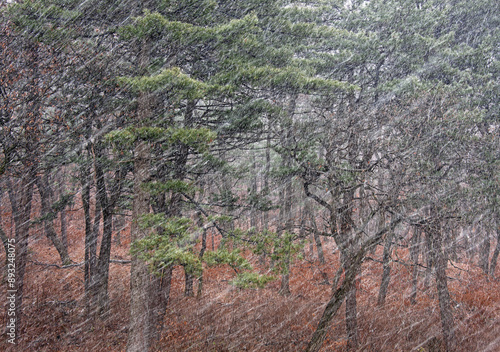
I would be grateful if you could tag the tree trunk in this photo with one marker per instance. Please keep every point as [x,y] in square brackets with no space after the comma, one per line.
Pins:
[319,248]
[429,261]
[46,193]
[265,182]
[440,262]
[347,286]
[414,252]
[101,291]
[386,273]
[285,216]
[348,249]
[317,239]
[141,327]
[158,301]
[287,194]
[332,307]
[484,253]
[202,253]
[188,285]
[351,309]
[63,216]
[90,240]
[253,194]
[64,228]
[494,258]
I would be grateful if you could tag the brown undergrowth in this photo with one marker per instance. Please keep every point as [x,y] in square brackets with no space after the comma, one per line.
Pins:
[226,318]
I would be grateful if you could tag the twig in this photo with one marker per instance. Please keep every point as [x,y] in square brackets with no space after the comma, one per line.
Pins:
[117,261]
[57,265]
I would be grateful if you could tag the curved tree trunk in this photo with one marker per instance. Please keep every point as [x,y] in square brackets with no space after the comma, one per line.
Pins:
[351,307]
[332,307]
[46,193]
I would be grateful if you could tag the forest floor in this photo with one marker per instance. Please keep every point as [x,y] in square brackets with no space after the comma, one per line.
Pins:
[226,318]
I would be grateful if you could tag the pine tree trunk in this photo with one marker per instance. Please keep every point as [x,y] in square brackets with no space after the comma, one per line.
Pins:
[89,266]
[188,285]
[317,239]
[484,253]
[158,302]
[253,194]
[140,329]
[64,229]
[348,248]
[63,215]
[102,297]
[429,261]
[265,182]
[440,262]
[46,192]
[287,195]
[141,326]
[414,252]
[332,307]
[351,310]
[202,253]
[386,272]
[494,258]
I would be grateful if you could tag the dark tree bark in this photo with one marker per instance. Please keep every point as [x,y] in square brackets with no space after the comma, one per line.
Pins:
[265,182]
[429,261]
[202,253]
[341,293]
[386,272]
[90,239]
[158,301]
[440,262]
[317,239]
[351,307]
[101,291]
[287,194]
[253,193]
[348,249]
[494,258]
[414,253]
[285,217]
[141,325]
[63,216]
[46,195]
[331,309]
[180,174]
[484,253]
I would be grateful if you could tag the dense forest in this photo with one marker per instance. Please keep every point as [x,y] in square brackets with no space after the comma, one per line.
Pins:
[253,175]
